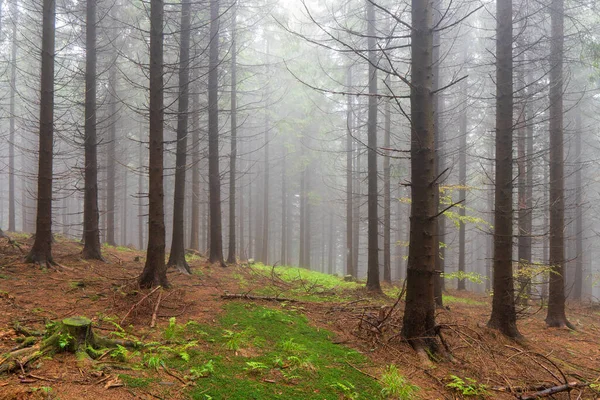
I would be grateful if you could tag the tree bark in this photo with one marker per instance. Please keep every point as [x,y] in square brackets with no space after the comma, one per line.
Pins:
[233,156]
[91,215]
[556,316]
[462,183]
[11,140]
[264,251]
[196,193]
[504,317]
[155,270]
[579,279]
[439,162]
[419,316]
[141,196]
[284,212]
[349,178]
[177,255]
[387,196]
[373,284]
[524,213]
[214,177]
[111,154]
[41,252]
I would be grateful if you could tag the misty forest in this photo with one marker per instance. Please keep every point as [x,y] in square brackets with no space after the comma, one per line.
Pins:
[301,199]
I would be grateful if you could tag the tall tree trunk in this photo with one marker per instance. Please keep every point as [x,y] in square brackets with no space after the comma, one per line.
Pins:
[12,226]
[41,252]
[91,214]
[111,154]
[579,278]
[419,315]
[124,213]
[141,196]
[524,213]
[373,284]
[504,317]
[438,284]
[349,178]
[284,212]
[243,253]
[177,256]
[400,229]
[387,196]
[196,193]
[556,316]
[214,178]
[307,216]
[155,270]
[233,156]
[330,246]
[462,183]
[302,232]
[490,208]
[357,201]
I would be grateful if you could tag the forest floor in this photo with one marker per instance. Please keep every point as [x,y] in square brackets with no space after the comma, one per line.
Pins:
[314,336]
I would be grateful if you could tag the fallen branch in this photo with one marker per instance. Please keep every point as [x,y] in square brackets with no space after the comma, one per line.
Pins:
[12,242]
[153,323]
[554,390]
[138,303]
[243,296]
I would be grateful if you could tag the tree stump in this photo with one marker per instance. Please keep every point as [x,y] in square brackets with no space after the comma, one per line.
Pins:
[80,331]
[73,335]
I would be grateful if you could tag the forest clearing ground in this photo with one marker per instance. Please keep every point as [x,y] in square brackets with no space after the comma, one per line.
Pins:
[333,342]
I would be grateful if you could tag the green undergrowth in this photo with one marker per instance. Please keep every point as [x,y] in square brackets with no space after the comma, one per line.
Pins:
[254,352]
[463,300]
[297,283]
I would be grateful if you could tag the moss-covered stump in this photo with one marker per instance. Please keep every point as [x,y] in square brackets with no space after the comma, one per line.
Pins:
[73,335]
[78,332]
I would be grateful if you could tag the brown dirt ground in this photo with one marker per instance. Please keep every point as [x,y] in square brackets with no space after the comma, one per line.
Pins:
[32,296]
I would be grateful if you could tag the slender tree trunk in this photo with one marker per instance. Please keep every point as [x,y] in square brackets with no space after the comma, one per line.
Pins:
[196,193]
[556,316]
[373,284]
[504,317]
[243,253]
[357,200]
[214,178]
[419,316]
[301,252]
[349,178]
[284,212]
[111,155]
[91,234]
[579,278]
[490,207]
[233,157]
[331,244]
[155,270]
[307,222]
[124,213]
[177,256]
[387,196]
[11,140]
[399,237]
[524,213]
[462,191]
[41,252]
[439,144]
[141,196]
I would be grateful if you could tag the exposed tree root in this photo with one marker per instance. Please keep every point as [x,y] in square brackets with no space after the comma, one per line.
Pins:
[554,390]
[11,241]
[73,335]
